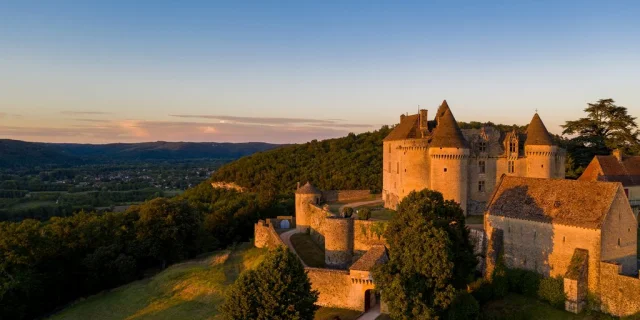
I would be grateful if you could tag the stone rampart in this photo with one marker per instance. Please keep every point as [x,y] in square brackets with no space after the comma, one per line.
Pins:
[265,234]
[338,242]
[619,294]
[228,186]
[367,234]
[317,218]
[345,195]
[339,288]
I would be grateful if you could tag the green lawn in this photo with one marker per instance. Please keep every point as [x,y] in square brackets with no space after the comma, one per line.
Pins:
[310,252]
[330,313]
[515,306]
[190,290]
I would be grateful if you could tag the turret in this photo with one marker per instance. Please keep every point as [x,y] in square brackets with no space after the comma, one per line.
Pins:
[541,154]
[305,195]
[449,153]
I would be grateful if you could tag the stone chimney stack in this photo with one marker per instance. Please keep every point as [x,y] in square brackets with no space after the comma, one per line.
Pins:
[618,153]
[424,122]
[402,117]
[298,187]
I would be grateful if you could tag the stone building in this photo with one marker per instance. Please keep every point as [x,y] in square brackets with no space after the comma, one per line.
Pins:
[583,231]
[617,167]
[464,165]
[352,247]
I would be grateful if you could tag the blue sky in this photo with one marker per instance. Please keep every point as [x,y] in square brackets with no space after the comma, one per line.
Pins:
[292,71]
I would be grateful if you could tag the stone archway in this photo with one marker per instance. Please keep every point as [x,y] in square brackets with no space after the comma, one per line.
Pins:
[370,299]
[285,224]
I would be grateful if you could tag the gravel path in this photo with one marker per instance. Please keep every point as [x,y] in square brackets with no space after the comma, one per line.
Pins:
[372,314]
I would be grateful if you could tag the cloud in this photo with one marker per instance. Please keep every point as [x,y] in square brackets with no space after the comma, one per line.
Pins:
[266,121]
[134,127]
[92,120]
[85,112]
[209,129]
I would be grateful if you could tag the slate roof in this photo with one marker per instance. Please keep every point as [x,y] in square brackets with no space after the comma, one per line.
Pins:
[447,133]
[406,129]
[609,168]
[308,188]
[569,202]
[376,255]
[537,134]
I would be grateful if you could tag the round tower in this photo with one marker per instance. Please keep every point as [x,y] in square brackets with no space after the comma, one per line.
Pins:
[540,152]
[305,195]
[338,242]
[449,155]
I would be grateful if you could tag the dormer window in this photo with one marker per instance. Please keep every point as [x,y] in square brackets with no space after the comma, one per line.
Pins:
[513,147]
[482,146]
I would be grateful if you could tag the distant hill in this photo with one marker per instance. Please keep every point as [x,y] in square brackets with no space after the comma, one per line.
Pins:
[15,153]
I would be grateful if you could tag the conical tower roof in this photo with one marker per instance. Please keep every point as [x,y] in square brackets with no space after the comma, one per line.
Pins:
[442,108]
[447,133]
[308,188]
[537,134]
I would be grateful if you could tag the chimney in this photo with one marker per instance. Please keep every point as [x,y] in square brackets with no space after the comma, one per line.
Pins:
[402,117]
[618,154]
[298,187]
[424,122]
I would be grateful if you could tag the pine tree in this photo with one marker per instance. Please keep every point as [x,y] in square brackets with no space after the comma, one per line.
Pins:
[277,289]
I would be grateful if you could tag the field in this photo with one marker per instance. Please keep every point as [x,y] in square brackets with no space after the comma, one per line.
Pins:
[518,307]
[190,290]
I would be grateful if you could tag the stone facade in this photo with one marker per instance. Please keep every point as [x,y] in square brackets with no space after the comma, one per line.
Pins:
[583,231]
[467,170]
[345,195]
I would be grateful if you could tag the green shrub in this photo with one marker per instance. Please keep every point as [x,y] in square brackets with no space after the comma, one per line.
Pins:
[364,214]
[523,281]
[347,212]
[552,291]
[464,306]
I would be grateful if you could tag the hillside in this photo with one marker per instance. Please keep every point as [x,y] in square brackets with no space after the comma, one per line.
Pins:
[17,153]
[351,162]
[190,290]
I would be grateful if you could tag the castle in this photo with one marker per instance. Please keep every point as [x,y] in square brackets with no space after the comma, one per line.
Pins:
[583,231]
[464,165]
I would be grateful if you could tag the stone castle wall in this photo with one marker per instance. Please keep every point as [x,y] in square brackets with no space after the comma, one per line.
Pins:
[338,245]
[345,195]
[366,234]
[265,235]
[228,186]
[620,235]
[317,218]
[339,289]
[545,248]
[619,294]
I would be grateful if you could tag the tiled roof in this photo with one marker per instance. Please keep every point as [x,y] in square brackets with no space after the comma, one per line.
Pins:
[447,133]
[609,168]
[406,129]
[568,202]
[537,134]
[376,255]
[308,188]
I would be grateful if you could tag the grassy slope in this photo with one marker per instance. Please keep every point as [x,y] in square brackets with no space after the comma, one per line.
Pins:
[190,290]
[308,250]
[515,306]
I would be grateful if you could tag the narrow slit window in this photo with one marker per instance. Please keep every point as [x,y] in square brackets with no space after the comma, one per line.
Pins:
[481,166]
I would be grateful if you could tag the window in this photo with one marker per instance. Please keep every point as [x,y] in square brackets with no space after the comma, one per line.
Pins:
[512,147]
[389,166]
[481,166]
[482,146]
[445,169]
[481,186]
[626,192]
[389,148]
[511,166]
[618,242]
[398,167]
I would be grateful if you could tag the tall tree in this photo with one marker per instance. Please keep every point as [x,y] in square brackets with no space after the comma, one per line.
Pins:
[607,126]
[430,257]
[277,289]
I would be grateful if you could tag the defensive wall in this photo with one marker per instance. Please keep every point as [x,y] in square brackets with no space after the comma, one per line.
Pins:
[345,195]
[265,234]
[619,294]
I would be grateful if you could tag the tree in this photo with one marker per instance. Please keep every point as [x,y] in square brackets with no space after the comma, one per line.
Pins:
[606,127]
[277,289]
[430,257]
[347,212]
[364,214]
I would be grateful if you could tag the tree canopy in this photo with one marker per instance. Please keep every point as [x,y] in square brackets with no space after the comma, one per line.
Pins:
[430,257]
[277,289]
[607,126]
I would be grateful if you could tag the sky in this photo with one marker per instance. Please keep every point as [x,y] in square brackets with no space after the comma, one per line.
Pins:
[293,71]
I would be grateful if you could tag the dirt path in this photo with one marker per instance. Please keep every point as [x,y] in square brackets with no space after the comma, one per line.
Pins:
[286,238]
[372,314]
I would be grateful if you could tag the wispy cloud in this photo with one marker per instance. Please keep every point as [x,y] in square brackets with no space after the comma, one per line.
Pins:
[267,121]
[92,120]
[74,112]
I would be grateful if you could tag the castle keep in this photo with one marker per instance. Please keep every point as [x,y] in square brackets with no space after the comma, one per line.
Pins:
[464,165]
